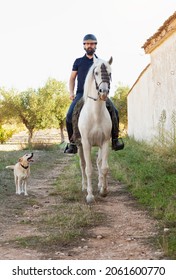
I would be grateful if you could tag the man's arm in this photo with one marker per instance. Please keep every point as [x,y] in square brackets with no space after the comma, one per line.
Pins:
[72,84]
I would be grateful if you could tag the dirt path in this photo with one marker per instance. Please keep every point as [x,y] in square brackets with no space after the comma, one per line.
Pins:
[127,235]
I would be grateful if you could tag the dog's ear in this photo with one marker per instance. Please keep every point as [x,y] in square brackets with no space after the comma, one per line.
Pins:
[20,159]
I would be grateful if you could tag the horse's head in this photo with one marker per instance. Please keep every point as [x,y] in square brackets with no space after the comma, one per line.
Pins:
[102,76]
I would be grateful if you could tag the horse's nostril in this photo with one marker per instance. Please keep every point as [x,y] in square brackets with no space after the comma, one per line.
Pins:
[103,90]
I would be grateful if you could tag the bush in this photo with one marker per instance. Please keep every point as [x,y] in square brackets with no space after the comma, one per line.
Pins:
[5,134]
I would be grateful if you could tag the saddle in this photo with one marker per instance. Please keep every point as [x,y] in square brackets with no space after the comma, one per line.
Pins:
[76,137]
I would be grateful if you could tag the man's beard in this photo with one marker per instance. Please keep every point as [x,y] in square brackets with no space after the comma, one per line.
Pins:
[90,51]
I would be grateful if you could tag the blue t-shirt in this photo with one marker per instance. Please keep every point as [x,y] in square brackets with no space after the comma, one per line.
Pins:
[82,66]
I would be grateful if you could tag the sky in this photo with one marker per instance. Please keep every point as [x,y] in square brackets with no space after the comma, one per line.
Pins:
[40,39]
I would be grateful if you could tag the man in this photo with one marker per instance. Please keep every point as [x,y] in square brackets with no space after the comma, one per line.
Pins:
[80,69]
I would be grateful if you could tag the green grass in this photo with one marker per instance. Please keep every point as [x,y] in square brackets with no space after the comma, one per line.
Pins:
[68,185]
[62,224]
[150,174]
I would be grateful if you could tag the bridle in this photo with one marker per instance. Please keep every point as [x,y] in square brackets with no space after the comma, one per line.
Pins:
[106,78]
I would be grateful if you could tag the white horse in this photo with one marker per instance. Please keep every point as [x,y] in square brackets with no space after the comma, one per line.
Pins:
[95,126]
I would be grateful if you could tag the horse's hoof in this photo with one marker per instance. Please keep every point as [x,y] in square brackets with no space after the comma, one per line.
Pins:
[103,193]
[90,199]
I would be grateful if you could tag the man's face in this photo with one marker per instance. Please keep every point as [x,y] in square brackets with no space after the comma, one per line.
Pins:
[90,47]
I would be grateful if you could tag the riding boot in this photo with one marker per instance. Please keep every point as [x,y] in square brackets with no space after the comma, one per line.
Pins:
[69,130]
[116,144]
[70,148]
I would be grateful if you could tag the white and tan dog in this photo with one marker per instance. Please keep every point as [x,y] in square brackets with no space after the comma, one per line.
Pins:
[21,173]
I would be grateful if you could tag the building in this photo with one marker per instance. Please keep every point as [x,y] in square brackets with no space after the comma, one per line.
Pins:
[152,98]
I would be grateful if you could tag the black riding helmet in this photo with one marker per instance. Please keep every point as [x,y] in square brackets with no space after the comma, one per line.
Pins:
[90,37]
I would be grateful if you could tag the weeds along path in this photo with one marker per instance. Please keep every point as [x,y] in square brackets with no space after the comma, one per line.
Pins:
[126,232]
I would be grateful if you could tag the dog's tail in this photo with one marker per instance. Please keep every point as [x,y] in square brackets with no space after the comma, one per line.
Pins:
[10,166]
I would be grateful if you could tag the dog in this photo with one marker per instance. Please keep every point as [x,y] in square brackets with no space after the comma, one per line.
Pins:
[21,173]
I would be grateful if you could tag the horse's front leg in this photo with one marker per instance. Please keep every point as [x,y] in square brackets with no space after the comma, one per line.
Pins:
[82,166]
[103,169]
[88,169]
[99,163]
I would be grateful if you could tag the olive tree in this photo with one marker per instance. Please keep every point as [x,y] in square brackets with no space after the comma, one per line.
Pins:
[36,109]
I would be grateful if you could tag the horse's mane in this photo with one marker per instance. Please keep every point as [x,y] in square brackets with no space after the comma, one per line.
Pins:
[90,78]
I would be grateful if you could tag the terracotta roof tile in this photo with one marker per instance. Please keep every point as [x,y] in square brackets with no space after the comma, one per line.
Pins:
[168,27]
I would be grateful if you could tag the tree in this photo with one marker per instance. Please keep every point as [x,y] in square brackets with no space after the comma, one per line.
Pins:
[5,134]
[44,108]
[120,101]
[58,101]
[21,107]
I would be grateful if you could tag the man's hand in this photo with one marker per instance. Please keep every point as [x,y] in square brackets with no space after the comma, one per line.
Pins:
[72,97]
[72,84]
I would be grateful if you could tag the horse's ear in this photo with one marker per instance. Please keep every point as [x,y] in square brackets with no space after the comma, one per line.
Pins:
[95,59]
[110,60]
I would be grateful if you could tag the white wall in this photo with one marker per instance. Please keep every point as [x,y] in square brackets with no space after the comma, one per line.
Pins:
[154,92]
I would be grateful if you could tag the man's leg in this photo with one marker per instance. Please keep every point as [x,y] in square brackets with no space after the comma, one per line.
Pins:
[71,148]
[75,117]
[69,128]
[116,144]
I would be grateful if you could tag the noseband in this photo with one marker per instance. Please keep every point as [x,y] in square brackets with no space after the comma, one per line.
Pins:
[104,76]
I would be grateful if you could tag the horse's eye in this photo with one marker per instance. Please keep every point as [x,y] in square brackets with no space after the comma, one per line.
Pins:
[96,73]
